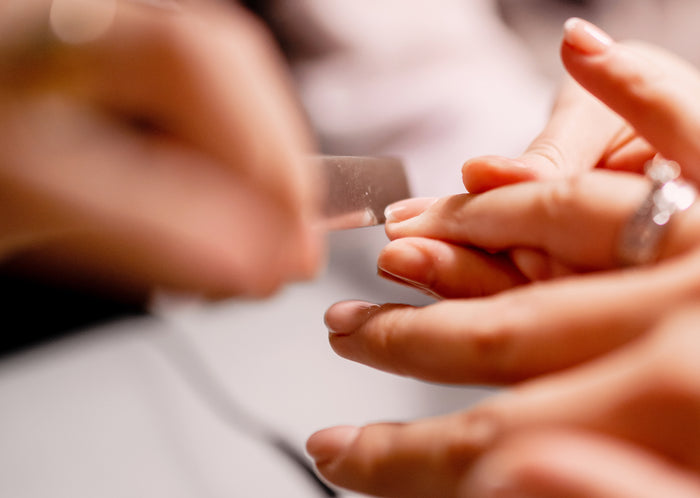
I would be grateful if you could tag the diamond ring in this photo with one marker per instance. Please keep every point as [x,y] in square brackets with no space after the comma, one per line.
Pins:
[641,237]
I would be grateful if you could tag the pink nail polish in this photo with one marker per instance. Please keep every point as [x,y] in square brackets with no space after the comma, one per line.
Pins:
[585,37]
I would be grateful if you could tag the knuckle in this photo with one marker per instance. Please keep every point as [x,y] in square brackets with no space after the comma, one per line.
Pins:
[640,75]
[474,432]
[495,340]
[674,371]
[551,152]
[558,198]
[491,341]
[555,206]
[451,211]
[390,342]
[369,461]
[632,74]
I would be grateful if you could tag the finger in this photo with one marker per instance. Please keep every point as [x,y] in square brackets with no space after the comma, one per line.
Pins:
[455,455]
[173,70]
[536,265]
[407,208]
[418,459]
[630,156]
[579,131]
[647,86]
[447,270]
[514,335]
[262,119]
[483,173]
[576,220]
[644,395]
[637,395]
[575,464]
[151,208]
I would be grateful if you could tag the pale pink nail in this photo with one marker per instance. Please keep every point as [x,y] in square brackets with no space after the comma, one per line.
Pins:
[406,209]
[585,37]
[345,317]
[325,445]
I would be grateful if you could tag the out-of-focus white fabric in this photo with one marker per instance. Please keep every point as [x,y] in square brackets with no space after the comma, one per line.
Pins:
[432,82]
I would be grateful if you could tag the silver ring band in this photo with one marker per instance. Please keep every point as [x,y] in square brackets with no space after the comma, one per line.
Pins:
[641,237]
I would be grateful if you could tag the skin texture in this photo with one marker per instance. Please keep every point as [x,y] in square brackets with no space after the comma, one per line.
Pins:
[165,149]
[599,361]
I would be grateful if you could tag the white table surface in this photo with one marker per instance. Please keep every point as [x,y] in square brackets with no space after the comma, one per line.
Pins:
[108,413]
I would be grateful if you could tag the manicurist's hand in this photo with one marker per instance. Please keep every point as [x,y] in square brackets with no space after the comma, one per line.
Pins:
[151,144]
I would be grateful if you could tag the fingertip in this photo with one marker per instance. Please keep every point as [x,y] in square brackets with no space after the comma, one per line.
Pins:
[407,261]
[312,252]
[585,37]
[326,445]
[484,173]
[407,208]
[345,317]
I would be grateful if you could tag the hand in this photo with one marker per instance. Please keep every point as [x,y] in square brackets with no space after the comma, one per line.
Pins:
[651,102]
[147,146]
[518,331]
[472,245]
[629,411]
[623,425]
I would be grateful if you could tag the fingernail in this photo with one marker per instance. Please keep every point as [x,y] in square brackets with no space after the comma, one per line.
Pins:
[586,37]
[406,262]
[408,208]
[346,317]
[325,445]
[495,161]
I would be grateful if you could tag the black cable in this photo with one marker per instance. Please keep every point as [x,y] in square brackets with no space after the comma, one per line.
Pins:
[185,358]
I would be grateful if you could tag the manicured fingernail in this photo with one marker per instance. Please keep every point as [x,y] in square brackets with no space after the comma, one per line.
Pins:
[408,208]
[586,37]
[346,317]
[495,161]
[405,261]
[325,445]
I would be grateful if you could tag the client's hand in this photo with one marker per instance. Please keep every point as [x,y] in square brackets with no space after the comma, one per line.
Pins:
[151,143]
[479,244]
[515,330]
[623,425]
[652,106]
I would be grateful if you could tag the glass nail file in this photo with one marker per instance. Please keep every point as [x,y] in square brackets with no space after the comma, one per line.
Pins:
[359,188]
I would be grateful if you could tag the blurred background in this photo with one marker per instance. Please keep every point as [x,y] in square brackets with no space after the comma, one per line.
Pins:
[187,401]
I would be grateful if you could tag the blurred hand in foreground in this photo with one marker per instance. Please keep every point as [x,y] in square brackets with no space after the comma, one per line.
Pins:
[151,144]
